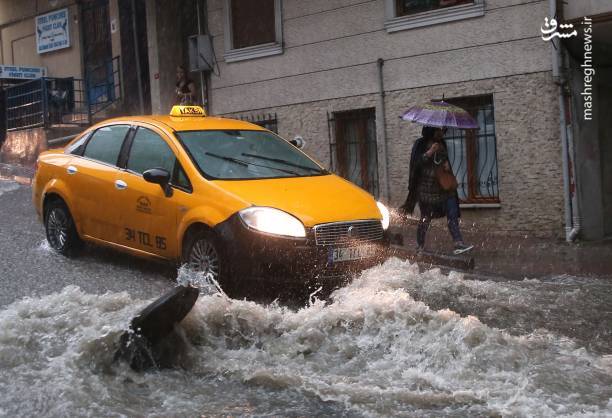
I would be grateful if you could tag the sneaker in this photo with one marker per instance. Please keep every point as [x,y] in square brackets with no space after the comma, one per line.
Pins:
[461,247]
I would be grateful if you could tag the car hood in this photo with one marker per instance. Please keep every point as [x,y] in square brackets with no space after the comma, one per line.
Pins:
[313,200]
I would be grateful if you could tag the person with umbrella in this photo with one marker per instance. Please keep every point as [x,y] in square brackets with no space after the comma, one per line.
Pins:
[431,182]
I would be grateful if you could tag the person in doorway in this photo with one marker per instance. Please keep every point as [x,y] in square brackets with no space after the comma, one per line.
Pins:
[429,152]
[185,88]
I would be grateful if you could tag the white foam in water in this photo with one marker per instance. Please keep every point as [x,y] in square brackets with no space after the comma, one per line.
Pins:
[206,283]
[372,350]
[44,247]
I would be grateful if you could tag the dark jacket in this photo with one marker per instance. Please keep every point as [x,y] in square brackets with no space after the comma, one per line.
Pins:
[416,161]
[418,149]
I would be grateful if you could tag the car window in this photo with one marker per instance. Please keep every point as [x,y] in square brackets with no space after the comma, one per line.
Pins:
[180,179]
[233,154]
[77,147]
[148,151]
[105,143]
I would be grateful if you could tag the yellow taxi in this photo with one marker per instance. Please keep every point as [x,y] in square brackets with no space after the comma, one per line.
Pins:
[226,197]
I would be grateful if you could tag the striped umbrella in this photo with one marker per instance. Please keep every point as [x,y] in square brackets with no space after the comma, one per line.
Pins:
[440,114]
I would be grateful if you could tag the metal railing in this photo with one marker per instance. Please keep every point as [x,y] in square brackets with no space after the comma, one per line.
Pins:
[353,149]
[473,153]
[265,120]
[104,85]
[45,102]
[53,101]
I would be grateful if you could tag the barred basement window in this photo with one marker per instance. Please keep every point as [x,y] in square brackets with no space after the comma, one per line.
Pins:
[473,152]
[353,149]
[268,121]
[407,7]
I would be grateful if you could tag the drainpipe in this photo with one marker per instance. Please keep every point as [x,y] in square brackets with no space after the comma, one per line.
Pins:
[571,228]
[137,54]
[573,232]
[203,86]
[382,131]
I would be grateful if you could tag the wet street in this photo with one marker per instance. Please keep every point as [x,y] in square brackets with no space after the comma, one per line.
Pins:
[30,268]
[396,342]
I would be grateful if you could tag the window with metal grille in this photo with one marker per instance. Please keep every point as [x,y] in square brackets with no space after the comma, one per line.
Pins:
[265,120]
[252,22]
[473,152]
[408,7]
[353,149]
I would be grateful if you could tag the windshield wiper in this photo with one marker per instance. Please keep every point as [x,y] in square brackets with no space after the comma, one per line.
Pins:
[226,158]
[279,160]
[246,163]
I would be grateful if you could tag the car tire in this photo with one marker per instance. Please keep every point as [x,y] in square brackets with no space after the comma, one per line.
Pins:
[61,232]
[202,252]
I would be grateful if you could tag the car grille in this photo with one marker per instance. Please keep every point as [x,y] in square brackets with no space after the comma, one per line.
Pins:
[338,232]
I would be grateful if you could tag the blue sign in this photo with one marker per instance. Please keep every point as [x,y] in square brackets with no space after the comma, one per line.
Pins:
[53,31]
[22,73]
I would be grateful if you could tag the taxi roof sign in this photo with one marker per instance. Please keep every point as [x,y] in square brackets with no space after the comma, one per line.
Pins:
[183,111]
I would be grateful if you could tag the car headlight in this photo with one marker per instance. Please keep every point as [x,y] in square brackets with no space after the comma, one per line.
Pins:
[385,215]
[272,221]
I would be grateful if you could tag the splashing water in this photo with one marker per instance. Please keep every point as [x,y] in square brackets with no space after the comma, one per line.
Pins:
[371,350]
[203,281]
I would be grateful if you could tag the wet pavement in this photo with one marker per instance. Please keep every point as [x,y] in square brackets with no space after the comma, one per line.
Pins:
[30,268]
[512,256]
[400,340]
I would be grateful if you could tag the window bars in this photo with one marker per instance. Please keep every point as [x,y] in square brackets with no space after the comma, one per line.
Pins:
[265,120]
[473,153]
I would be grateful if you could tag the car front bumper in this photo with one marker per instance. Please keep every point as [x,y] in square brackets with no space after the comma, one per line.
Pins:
[253,255]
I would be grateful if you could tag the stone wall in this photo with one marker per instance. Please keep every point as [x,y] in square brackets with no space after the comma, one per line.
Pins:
[528,146]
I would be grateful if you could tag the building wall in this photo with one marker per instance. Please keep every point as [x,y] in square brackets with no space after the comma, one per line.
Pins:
[331,48]
[18,40]
[528,147]
[577,9]
[329,65]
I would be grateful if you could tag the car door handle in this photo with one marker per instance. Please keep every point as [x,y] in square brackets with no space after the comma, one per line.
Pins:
[120,185]
[71,170]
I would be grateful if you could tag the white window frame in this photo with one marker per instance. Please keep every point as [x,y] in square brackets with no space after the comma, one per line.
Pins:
[395,23]
[256,51]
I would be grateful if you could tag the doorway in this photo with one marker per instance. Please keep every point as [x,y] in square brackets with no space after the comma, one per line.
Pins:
[133,24]
[605,146]
[97,53]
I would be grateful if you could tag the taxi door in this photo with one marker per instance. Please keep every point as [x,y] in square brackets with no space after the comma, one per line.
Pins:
[148,217]
[91,174]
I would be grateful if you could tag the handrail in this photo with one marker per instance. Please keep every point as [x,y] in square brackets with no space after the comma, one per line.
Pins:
[45,102]
[53,101]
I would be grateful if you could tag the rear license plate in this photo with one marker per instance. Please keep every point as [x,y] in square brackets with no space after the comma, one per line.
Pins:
[351,253]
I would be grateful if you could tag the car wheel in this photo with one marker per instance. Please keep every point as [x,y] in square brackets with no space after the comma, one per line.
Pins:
[60,229]
[203,255]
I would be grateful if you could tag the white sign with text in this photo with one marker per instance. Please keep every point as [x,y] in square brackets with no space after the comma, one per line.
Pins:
[53,31]
[21,72]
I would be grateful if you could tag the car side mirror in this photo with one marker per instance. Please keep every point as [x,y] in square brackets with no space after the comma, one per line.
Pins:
[298,142]
[161,177]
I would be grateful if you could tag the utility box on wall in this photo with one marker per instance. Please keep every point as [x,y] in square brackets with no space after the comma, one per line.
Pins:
[201,57]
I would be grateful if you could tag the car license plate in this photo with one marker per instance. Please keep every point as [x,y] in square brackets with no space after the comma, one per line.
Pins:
[351,253]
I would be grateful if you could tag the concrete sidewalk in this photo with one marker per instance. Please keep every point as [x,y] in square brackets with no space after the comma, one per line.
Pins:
[512,257]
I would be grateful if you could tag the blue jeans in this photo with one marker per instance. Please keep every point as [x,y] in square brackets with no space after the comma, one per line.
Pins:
[452,216]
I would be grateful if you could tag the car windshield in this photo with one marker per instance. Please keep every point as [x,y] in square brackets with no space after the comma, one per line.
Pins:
[246,155]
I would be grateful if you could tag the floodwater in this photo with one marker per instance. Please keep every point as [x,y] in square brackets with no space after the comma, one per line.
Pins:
[395,342]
